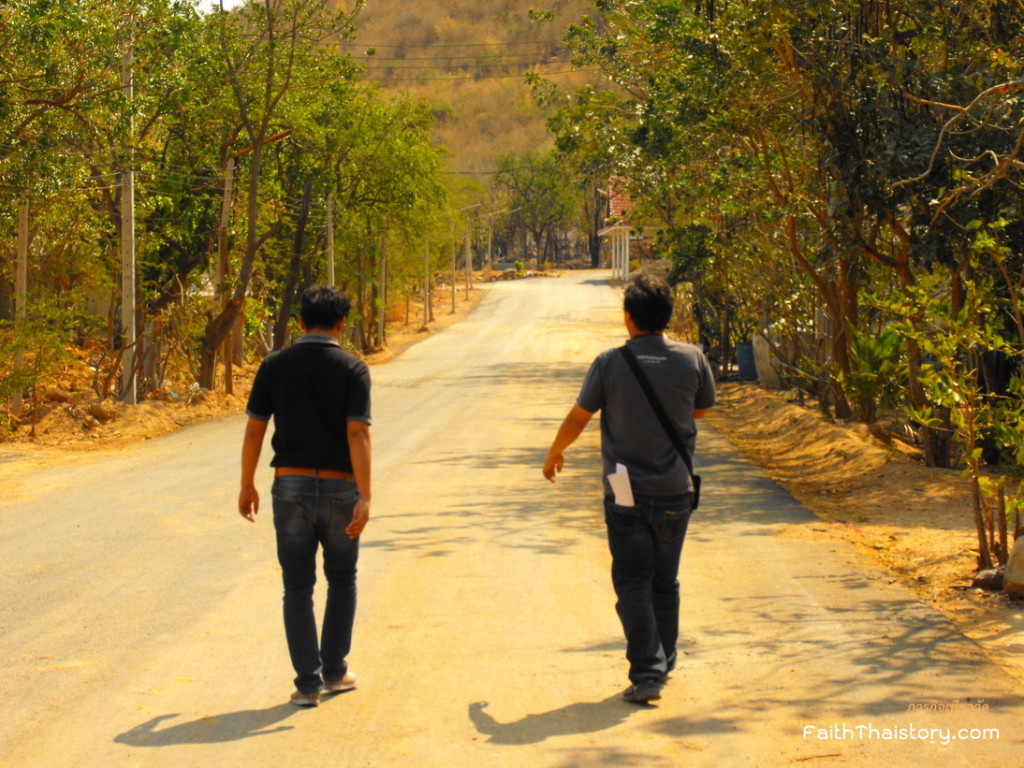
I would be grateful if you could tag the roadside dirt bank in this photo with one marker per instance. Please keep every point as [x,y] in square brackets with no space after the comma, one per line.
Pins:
[914,521]
[73,418]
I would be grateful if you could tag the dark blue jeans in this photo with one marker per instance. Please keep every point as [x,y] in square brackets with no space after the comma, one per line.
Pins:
[646,543]
[310,513]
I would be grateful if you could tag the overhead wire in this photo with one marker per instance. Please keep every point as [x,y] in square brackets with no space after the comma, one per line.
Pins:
[497,56]
[448,45]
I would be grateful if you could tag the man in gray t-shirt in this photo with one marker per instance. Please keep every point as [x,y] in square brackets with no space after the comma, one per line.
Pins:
[646,519]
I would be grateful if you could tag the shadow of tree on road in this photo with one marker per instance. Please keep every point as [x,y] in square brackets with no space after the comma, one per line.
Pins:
[500,510]
[215,729]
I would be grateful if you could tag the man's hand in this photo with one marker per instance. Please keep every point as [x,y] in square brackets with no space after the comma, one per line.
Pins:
[553,465]
[249,498]
[249,503]
[572,427]
[360,517]
[360,452]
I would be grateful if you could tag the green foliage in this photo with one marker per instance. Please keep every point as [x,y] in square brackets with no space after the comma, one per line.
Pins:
[953,340]
[541,196]
[690,249]
[878,379]
[820,149]
[267,85]
[37,348]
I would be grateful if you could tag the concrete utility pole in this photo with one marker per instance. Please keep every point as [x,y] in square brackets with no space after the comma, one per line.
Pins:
[453,265]
[128,330]
[20,294]
[469,261]
[426,283]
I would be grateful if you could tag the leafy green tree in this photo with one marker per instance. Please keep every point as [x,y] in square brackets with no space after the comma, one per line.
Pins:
[812,126]
[55,61]
[542,195]
[267,53]
[953,339]
[385,176]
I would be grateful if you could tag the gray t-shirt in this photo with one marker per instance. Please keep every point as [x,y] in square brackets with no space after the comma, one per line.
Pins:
[630,432]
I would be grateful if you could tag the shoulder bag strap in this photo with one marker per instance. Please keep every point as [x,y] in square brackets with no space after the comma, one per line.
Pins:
[659,411]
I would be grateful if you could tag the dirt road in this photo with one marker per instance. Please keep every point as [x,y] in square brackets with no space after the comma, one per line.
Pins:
[141,615]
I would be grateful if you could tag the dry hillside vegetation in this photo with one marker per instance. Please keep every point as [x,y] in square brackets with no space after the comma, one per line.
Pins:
[469,59]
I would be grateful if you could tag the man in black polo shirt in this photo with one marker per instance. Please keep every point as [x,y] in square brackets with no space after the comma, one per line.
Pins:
[319,397]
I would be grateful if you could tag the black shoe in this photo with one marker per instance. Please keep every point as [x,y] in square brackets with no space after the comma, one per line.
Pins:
[641,693]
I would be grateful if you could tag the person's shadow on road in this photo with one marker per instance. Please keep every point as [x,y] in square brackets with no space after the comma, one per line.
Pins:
[215,729]
[584,717]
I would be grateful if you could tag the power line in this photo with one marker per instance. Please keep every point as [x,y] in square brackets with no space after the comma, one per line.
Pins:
[451,45]
[477,57]
[482,66]
[483,77]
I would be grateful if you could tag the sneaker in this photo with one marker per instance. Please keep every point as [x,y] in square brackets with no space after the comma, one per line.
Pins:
[347,683]
[300,699]
[641,693]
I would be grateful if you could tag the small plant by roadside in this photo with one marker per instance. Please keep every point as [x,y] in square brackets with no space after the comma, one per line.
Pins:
[33,351]
[953,340]
[878,378]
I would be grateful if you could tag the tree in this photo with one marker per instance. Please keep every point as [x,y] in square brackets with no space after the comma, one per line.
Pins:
[544,195]
[812,126]
[263,47]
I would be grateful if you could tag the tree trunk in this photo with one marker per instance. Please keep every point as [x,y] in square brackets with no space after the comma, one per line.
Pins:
[984,555]
[294,268]
[594,239]
[220,326]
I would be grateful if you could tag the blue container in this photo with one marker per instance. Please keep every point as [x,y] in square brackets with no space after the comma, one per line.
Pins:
[745,361]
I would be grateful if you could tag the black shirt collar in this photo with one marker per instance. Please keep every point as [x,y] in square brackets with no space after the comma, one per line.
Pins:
[318,338]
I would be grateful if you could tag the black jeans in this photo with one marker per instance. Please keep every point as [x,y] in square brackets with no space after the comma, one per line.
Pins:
[646,542]
[311,512]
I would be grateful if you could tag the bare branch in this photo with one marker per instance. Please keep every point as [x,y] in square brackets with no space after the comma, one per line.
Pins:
[961,113]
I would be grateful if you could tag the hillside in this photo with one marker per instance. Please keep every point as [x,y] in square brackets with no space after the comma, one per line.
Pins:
[469,60]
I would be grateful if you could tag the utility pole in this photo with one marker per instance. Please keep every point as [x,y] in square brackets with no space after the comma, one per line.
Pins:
[469,261]
[330,240]
[453,265]
[20,294]
[426,282]
[128,330]
[490,247]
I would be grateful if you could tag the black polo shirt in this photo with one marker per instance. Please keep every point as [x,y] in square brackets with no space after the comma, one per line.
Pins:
[312,389]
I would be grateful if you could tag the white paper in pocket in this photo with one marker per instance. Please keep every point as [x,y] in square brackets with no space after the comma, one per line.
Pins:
[619,481]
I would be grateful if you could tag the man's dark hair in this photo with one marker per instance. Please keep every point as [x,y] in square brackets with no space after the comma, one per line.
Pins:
[323,306]
[649,302]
